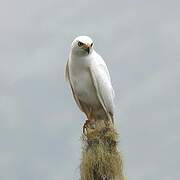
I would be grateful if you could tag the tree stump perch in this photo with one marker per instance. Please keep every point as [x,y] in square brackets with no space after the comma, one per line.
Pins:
[101,159]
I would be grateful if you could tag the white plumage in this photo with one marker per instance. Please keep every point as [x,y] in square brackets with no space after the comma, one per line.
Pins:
[90,81]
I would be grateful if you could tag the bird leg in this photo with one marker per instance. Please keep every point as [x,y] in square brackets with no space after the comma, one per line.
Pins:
[85,126]
[89,122]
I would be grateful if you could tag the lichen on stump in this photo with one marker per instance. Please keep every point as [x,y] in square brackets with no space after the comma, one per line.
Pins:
[101,159]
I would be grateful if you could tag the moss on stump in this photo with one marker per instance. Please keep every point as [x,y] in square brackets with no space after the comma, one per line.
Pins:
[101,159]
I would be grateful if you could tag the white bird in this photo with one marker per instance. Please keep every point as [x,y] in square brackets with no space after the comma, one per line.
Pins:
[90,81]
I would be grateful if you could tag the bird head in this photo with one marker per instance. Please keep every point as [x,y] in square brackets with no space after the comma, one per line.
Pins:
[82,45]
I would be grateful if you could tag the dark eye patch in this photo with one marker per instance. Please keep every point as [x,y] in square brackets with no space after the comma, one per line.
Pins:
[80,44]
[91,44]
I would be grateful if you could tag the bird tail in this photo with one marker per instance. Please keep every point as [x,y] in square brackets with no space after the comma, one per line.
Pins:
[111,118]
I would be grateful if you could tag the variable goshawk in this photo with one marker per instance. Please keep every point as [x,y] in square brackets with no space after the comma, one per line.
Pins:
[90,81]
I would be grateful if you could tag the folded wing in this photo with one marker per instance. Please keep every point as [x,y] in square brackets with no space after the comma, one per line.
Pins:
[102,83]
[67,75]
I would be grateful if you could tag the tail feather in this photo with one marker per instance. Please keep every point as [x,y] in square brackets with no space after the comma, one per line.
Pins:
[111,117]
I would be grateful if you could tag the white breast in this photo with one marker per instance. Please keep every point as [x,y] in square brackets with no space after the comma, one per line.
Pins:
[82,83]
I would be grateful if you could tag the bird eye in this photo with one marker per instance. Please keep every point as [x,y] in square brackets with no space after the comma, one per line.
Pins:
[80,43]
[91,44]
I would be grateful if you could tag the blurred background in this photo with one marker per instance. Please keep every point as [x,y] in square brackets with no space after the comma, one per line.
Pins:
[40,125]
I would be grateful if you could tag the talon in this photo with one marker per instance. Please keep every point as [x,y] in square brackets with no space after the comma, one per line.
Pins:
[85,126]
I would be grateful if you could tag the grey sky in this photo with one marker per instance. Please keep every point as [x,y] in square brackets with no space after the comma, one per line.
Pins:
[40,125]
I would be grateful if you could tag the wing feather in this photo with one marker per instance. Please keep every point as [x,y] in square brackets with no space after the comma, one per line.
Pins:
[67,76]
[105,92]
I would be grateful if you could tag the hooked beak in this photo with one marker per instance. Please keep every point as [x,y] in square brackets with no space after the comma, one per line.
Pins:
[87,47]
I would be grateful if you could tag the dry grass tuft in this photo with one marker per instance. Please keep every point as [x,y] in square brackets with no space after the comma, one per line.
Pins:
[101,159]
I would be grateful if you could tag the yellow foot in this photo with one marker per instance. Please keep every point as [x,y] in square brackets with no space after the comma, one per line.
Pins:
[88,124]
[85,126]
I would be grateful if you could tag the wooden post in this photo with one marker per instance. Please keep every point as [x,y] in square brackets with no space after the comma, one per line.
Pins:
[101,159]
